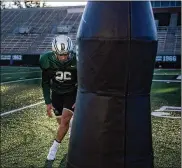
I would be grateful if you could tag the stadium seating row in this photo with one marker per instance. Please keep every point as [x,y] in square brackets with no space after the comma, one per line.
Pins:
[32,30]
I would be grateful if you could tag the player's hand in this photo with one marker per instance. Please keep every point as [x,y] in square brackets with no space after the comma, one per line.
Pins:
[49,110]
[73,107]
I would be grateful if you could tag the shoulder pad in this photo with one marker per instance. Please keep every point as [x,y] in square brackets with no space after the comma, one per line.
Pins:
[44,61]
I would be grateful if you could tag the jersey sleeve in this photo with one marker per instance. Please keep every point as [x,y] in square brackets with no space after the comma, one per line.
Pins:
[44,62]
[44,65]
[46,86]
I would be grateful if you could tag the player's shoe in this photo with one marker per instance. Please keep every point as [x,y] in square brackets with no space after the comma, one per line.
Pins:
[52,154]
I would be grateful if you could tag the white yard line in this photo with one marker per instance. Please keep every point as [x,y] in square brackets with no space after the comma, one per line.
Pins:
[166,108]
[179,77]
[166,69]
[178,81]
[164,115]
[26,107]
[165,74]
[164,112]
[162,108]
[19,81]
[18,72]
[19,109]
[17,67]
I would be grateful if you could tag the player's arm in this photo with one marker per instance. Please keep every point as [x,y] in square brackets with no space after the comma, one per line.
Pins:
[46,86]
[46,91]
[44,65]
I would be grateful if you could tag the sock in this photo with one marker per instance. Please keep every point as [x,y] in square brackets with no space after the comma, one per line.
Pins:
[53,150]
[55,144]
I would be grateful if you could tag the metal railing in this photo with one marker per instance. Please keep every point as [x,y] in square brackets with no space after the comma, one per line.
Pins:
[169,40]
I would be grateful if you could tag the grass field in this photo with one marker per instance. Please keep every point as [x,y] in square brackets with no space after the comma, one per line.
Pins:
[26,135]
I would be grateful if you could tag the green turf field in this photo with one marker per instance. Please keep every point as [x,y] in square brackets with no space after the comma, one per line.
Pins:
[26,135]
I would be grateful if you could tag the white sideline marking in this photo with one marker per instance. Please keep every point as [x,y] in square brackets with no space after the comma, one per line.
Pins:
[159,69]
[162,108]
[29,106]
[40,78]
[19,109]
[165,74]
[164,115]
[176,81]
[16,67]
[179,77]
[18,72]
[18,81]
[164,112]
[167,108]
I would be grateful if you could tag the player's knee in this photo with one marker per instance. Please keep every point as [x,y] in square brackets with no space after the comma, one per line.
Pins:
[67,114]
[65,118]
[65,121]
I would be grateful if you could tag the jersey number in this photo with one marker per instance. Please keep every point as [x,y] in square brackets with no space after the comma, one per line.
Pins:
[60,76]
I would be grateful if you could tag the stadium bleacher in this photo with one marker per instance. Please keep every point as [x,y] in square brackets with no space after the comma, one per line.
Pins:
[169,40]
[41,25]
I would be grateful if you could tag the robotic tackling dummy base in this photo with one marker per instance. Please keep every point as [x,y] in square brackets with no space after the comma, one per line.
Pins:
[117,46]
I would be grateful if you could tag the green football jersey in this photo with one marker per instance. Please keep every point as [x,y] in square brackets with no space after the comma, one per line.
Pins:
[56,76]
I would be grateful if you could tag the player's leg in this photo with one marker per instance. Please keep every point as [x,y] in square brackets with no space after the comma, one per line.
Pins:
[67,115]
[62,130]
[64,126]
[57,103]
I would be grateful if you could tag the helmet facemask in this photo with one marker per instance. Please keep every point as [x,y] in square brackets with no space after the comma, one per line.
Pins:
[63,57]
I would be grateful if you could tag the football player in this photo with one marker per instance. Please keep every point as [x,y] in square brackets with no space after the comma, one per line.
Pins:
[59,85]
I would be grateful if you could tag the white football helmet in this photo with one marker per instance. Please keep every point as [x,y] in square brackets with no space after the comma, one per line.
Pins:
[62,45]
